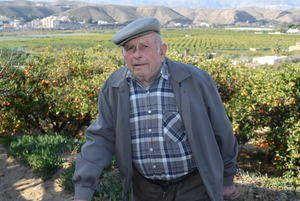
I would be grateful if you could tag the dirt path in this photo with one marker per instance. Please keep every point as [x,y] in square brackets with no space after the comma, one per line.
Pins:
[19,183]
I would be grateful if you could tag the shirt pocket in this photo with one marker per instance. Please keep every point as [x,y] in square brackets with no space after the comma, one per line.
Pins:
[173,126]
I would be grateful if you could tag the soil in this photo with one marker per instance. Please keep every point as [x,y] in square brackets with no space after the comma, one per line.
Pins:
[19,183]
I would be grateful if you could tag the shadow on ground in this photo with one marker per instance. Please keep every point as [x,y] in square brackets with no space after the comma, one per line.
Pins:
[19,183]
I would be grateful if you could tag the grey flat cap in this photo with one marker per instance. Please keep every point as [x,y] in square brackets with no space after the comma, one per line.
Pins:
[136,29]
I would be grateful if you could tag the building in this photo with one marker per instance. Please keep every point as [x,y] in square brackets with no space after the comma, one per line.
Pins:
[293,31]
[269,60]
[102,22]
[35,24]
[16,24]
[50,22]
[295,48]
[204,24]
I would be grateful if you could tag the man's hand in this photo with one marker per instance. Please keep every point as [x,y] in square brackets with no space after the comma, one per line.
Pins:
[228,191]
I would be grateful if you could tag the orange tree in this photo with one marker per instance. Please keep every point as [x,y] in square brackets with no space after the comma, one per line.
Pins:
[270,99]
[54,91]
[260,97]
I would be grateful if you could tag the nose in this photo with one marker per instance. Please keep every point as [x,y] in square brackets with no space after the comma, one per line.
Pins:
[137,53]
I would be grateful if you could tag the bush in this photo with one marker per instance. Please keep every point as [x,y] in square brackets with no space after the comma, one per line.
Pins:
[258,98]
[109,188]
[57,92]
[270,98]
[54,91]
[43,153]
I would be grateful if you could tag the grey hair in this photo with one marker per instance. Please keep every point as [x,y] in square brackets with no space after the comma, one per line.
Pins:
[158,39]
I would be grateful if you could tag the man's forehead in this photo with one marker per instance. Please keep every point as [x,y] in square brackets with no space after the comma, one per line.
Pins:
[142,39]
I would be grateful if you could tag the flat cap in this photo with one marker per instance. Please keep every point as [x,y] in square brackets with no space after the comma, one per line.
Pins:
[137,28]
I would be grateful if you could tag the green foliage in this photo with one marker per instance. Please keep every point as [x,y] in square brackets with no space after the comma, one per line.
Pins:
[65,179]
[54,91]
[12,56]
[109,188]
[195,41]
[42,152]
[198,41]
[270,98]
[258,98]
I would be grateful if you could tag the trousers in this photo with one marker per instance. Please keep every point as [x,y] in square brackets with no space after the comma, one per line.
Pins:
[191,188]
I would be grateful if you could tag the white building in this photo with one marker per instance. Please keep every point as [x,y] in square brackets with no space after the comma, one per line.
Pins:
[293,31]
[269,60]
[102,22]
[295,48]
[36,23]
[204,24]
[50,22]
[15,24]
[64,19]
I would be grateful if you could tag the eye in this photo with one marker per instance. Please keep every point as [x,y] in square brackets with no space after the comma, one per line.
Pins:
[128,48]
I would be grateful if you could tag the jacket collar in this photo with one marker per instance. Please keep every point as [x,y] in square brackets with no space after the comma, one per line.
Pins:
[177,72]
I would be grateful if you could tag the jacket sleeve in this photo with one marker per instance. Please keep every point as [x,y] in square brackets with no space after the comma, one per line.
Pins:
[223,131]
[97,152]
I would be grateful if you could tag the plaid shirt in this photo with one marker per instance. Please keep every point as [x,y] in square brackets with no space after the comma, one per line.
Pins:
[160,148]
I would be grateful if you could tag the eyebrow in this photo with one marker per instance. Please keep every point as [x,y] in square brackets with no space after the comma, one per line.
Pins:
[142,42]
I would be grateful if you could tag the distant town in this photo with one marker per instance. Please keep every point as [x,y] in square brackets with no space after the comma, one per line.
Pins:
[52,22]
[72,15]
[69,23]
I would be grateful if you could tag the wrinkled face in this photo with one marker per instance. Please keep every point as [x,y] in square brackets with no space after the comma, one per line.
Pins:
[143,56]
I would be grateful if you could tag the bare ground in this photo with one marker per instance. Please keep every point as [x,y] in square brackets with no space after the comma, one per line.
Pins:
[19,183]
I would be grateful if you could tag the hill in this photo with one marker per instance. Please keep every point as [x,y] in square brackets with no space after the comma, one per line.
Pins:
[91,12]
[218,16]
[212,4]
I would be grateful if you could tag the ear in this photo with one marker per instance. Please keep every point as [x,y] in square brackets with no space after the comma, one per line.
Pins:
[163,50]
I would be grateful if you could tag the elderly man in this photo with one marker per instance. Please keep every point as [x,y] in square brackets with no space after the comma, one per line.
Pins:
[165,123]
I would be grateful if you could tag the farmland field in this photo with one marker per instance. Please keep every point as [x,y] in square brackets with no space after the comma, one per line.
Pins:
[49,95]
[193,41]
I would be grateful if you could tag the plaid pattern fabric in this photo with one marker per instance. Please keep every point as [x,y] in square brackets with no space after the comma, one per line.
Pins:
[159,144]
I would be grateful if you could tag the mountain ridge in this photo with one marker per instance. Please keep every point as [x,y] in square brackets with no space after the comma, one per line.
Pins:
[267,4]
[83,11]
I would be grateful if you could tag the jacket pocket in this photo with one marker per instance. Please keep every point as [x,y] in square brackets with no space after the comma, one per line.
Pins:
[173,126]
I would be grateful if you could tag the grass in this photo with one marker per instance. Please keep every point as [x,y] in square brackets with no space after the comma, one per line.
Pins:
[255,179]
[83,41]
[252,185]
[3,140]
[42,152]
[195,40]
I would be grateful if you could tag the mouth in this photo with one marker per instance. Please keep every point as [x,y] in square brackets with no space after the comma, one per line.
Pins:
[138,65]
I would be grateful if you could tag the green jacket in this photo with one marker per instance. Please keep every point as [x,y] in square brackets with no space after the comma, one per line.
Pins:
[207,127]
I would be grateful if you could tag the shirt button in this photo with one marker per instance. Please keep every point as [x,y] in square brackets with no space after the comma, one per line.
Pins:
[154,166]
[149,111]
[150,130]
[151,149]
